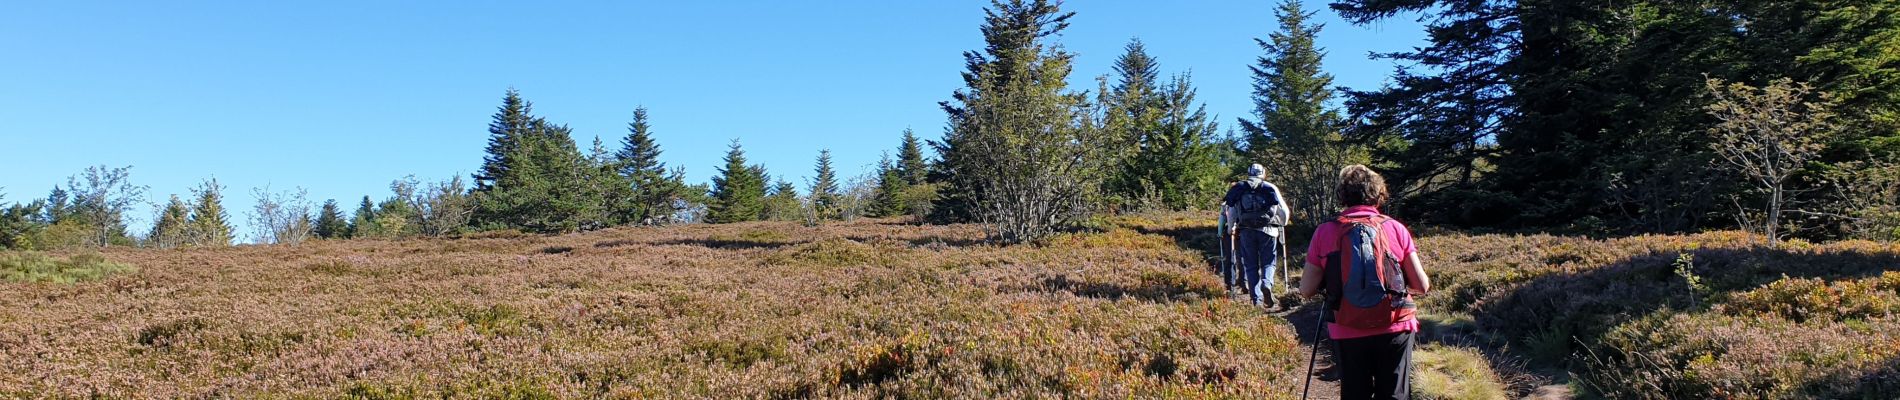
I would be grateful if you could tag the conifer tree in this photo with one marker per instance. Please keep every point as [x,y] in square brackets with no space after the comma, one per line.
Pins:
[1295,133]
[210,224]
[887,200]
[915,192]
[1178,163]
[654,191]
[739,190]
[1132,103]
[171,228]
[910,159]
[824,188]
[22,224]
[782,203]
[1019,154]
[395,217]
[58,205]
[511,122]
[553,186]
[330,223]
[534,177]
[362,223]
[597,154]
[1134,113]
[1590,115]
[612,193]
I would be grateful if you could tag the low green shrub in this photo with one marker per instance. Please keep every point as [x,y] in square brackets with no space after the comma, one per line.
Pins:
[835,252]
[1711,315]
[27,266]
[1803,299]
[1671,356]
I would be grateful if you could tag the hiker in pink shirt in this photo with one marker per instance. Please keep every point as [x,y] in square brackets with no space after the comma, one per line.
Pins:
[1374,325]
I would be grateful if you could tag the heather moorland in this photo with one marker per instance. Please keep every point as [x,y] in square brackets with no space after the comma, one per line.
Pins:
[758,310]
[881,308]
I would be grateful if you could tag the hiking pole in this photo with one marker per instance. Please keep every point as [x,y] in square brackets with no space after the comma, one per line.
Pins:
[1313,359]
[1234,275]
[1238,266]
[1282,260]
[1220,239]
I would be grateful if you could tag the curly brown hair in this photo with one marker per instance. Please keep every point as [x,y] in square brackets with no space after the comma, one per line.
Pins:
[1360,186]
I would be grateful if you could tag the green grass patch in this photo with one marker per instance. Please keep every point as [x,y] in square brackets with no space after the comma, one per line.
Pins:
[739,353]
[829,252]
[756,237]
[1441,372]
[30,266]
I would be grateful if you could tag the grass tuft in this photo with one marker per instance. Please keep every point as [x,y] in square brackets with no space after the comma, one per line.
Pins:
[28,266]
[1441,372]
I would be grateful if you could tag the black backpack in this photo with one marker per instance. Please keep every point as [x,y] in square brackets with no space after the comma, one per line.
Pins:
[1256,205]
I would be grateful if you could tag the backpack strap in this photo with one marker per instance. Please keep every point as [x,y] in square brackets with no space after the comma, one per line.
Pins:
[1380,249]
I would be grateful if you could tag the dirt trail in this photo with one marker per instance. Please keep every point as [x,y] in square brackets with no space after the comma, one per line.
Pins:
[1305,319]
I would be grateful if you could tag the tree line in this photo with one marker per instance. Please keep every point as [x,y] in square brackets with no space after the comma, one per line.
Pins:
[1611,117]
[1600,118]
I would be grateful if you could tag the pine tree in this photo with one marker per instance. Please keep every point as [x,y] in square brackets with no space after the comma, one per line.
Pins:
[58,205]
[554,185]
[911,193]
[639,160]
[887,200]
[910,159]
[612,192]
[597,154]
[1018,153]
[394,217]
[781,203]
[171,229]
[210,224]
[1134,115]
[824,188]
[1550,113]
[512,121]
[22,224]
[534,177]
[363,222]
[1295,133]
[1185,154]
[739,190]
[330,223]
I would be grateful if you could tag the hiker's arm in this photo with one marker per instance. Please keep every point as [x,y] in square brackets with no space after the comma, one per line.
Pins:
[1309,281]
[1228,198]
[1285,210]
[1415,277]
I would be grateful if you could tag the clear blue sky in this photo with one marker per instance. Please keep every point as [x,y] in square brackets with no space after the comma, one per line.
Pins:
[341,97]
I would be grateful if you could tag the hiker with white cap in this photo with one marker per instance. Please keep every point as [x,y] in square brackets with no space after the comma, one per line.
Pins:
[1261,215]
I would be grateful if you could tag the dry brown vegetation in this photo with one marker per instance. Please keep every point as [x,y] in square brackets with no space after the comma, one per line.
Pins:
[1714,315]
[878,309]
[757,310]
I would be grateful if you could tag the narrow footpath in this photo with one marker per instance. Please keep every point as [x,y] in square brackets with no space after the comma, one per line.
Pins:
[1305,320]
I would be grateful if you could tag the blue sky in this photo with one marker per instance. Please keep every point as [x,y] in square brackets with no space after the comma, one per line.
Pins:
[341,97]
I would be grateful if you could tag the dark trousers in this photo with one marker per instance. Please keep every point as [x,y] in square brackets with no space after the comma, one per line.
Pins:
[1229,266]
[1375,367]
[1257,253]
